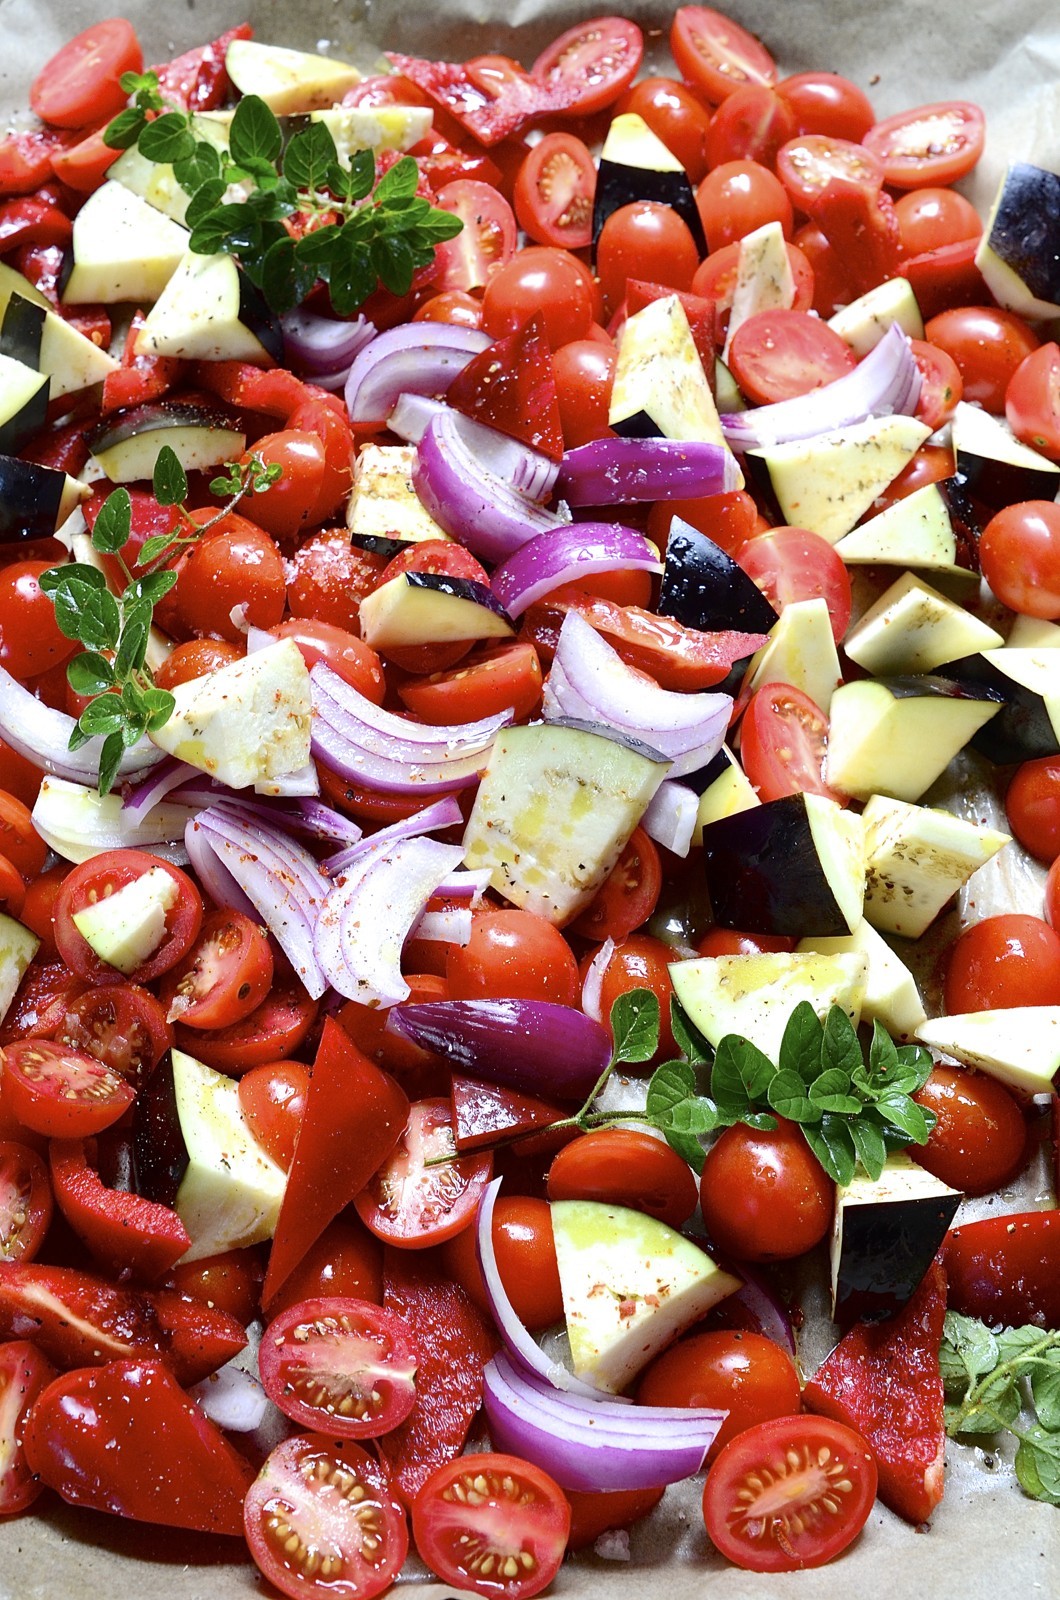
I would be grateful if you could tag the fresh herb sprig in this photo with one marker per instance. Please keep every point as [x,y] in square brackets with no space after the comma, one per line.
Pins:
[114,629]
[851,1111]
[988,1378]
[356,233]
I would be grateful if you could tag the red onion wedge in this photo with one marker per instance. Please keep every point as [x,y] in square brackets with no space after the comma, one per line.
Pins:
[376,748]
[316,345]
[42,735]
[445,927]
[443,813]
[567,554]
[483,487]
[885,382]
[213,874]
[593,1443]
[278,876]
[671,817]
[762,1303]
[534,1046]
[411,415]
[415,358]
[142,796]
[77,822]
[370,913]
[590,682]
[592,987]
[517,1340]
[614,472]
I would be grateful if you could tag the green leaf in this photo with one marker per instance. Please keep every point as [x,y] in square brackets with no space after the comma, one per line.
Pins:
[169,482]
[687,1145]
[123,132]
[255,134]
[394,262]
[351,277]
[132,647]
[308,156]
[883,1053]
[684,1126]
[787,1095]
[870,1145]
[158,705]
[763,1120]
[286,279]
[635,1026]
[75,575]
[151,549]
[905,1114]
[972,1343]
[831,1092]
[840,1051]
[88,614]
[687,1036]
[320,250]
[204,201]
[102,715]
[109,761]
[438,225]
[1013,1343]
[669,1084]
[201,167]
[995,1408]
[1038,1465]
[741,1074]
[114,523]
[832,1143]
[1045,1391]
[154,586]
[89,673]
[800,1048]
[400,183]
[362,174]
[142,84]
[168,138]
[915,1068]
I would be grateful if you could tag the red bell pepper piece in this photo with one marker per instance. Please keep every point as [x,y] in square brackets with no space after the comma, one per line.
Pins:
[139,378]
[273,393]
[354,1115]
[1006,1270]
[124,1438]
[490,113]
[510,386]
[197,80]
[62,448]
[454,1346]
[883,1380]
[28,220]
[26,159]
[123,1231]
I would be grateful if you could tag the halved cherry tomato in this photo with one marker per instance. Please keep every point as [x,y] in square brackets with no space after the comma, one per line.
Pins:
[628,896]
[513,955]
[26,159]
[491,680]
[272,1032]
[24,1373]
[931,144]
[120,1024]
[411,1204]
[485,242]
[716,55]
[1032,400]
[340,1364]
[740,1372]
[791,564]
[272,1098]
[941,386]
[591,64]
[625,1167]
[789,1494]
[492,1524]
[25,1202]
[554,192]
[839,185]
[61,1092]
[103,875]
[80,84]
[783,743]
[751,124]
[779,355]
[1009,960]
[312,1482]
[19,840]
[224,976]
[715,277]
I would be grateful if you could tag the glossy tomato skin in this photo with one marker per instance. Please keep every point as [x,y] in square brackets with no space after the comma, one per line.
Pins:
[230,1281]
[979,1141]
[584,371]
[801,1530]
[824,102]
[526,1260]
[764,1195]
[790,564]
[288,508]
[513,955]
[738,197]
[1032,400]
[411,1205]
[328,577]
[307,1479]
[1032,806]
[644,240]
[1010,960]
[743,1373]
[930,218]
[595,1512]
[486,683]
[515,1510]
[270,1033]
[193,659]
[234,563]
[272,1098]
[675,116]
[639,962]
[345,1260]
[1020,557]
[729,942]
[103,875]
[340,1364]
[30,638]
[625,1167]
[539,279]
[988,346]
[751,124]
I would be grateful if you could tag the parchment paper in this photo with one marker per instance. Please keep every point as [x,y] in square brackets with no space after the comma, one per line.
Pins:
[987,1541]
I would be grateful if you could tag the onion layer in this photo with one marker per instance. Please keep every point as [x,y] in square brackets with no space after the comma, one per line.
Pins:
[613,472]
[567,554]
[534,1046]
[415,358]
[481,486]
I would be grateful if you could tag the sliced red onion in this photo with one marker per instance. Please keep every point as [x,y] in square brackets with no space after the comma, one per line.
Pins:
[593,1444]
[566,554]
[517,1340]
[77,822]
[592,987]
[302,784]
[466,885]
[884,383]
[472,485]
[444,813]
[213,875]
[411,415]
[590,682]
[318,345]
[762,1302]
[369,914]
[42,735]
[380,750]
[280,879]
[415,358]
[613,472]
[445,927]
[141,797]
[233,1398]
[671,817]
[534,1046]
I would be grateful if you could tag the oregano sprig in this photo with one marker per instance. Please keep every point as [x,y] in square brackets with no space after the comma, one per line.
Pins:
[125,702]
[989,1377]
[355,233]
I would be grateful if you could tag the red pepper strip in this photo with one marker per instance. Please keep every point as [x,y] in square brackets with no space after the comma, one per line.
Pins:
[490,117]
[354,1115]
[1006,1269]
[883,1380]
[125,1439]
[454,1346]
[702,314]
[26,159]
[274,393]
[863,230]
[124,1232]
[31,221]
[139,378]
[946,277]
[197,80]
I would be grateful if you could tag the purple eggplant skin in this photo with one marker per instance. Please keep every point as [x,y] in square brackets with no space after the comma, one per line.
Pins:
[886,1249]
[704,588]
[160,414]
[621,183]
[30,498]
[160,1155]
[1022,729]
[764,874]
[478,594]
[377,545]
[1026,227]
